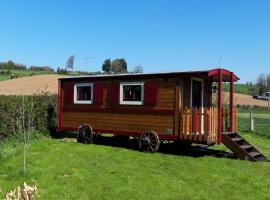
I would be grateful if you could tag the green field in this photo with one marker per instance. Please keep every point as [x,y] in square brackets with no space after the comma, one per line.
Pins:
[24,73]
[21,73]
[65,169]
[240,88]
[261,121]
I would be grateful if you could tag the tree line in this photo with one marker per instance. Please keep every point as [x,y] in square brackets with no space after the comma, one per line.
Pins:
[10,65]
[119,65]
[263,84]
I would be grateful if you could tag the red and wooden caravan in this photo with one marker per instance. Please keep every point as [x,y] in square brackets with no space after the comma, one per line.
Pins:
[174,106]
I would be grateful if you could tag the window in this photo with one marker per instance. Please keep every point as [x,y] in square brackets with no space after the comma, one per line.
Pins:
[131,93]
[83,93]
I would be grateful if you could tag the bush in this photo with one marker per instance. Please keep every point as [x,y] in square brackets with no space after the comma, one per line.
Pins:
[34,113]
[12,65]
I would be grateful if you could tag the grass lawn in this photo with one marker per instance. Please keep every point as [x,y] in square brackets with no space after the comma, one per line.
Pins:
[64,169]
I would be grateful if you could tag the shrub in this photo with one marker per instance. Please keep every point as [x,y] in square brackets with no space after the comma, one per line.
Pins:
[35,113]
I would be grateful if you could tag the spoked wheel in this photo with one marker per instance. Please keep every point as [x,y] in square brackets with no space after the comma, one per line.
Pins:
[149,142]
[85,134]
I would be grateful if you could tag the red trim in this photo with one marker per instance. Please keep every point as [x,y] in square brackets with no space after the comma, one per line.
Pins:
[59,113]
[119,110]
[127,133]
[231,103]
[150,93]
[98,93]
[68,93]
[219,107]
[113,93]
[224,72]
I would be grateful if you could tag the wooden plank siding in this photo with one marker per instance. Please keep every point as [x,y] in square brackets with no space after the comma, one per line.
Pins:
[165,115]
[158,117]
[119,121]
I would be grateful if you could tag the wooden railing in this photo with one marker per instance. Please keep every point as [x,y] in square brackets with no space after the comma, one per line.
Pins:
[200,124]
[226,120]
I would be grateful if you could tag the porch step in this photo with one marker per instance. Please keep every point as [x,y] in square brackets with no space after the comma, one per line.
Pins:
[246,147]
[254,154]
[241,148]
[237,139]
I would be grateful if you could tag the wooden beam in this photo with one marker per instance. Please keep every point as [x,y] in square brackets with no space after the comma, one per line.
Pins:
[231,102]
[177,110]
[219,107]
[60,103]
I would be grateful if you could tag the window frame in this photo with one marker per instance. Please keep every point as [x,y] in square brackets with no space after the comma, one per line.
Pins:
[75,93]
[122,102]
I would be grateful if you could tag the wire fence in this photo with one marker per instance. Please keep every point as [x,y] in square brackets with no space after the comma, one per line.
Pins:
[255,121]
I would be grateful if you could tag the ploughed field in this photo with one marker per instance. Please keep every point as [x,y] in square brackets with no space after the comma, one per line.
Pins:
[30,85]
[65,169]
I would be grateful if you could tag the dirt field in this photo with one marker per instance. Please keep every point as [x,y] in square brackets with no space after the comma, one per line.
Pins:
[30,85]
[48,82]
[242,99]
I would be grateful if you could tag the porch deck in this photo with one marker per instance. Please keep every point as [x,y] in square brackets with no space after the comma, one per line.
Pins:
[200,124]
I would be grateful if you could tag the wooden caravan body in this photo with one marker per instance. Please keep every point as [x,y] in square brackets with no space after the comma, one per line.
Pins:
[176,105]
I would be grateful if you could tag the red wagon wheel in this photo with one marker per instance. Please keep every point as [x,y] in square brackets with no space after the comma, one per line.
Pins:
[85,134]
[149,142]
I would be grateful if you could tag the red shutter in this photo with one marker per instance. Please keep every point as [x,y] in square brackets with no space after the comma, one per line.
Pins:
[98,93]
[113,94]
[68,93]
[150,93]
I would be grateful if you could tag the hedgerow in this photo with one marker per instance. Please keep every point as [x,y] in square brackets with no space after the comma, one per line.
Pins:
[30,113]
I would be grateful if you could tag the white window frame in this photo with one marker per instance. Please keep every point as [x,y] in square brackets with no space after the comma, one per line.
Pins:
[75,93]
[122,102]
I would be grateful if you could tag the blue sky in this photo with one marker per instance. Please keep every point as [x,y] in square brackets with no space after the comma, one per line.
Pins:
[160,35]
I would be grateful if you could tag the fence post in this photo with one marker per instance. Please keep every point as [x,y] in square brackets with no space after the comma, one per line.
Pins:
[251,120]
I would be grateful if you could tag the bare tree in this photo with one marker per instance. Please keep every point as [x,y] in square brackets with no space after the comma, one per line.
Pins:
[138,69]
[261,84]
[70,62]
[268,83]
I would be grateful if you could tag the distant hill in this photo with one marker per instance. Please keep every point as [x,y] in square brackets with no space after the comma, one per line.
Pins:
[240,88]
[12,74]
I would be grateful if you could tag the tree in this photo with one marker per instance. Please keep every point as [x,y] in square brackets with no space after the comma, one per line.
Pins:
[267,83]
[119,65]
[261,84]
[138,69]
[61,71]
[107,65]
[70,62]
[12,65]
